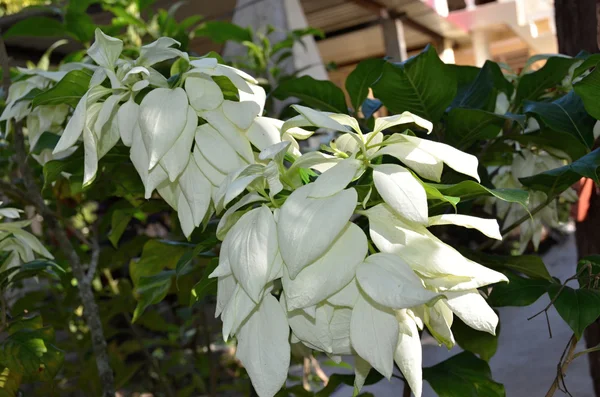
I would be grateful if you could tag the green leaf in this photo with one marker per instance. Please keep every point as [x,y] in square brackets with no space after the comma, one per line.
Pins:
[533,85]
[566,114]
[478,342]
[72,165]
[119,221]
[482,92]
[589,91]
[156,256]
[578,307]
[519,291]
[466,126]
[552,141]
[36,268]
[152,290]
[47,140]
[468,190]
[558,180]
[68,90]
[38,27]
[206,285]
[80,25]
[229,89]
[423,85]
[221,31]
[529,265]
[362,77]
[589,276]
[9,382]
[185,262]
[463,375]
[32,354]
[319,94]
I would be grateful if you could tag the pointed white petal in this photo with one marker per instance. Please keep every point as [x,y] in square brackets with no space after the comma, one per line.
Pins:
[127,117]
[259,97]
[382,123]
[160,50]
[203,93]
[231,216]
[225,289]
[139,157]
[217,150]
[312,331]
[196,189]
[308,226]
[470,307]
[90,146]
[176,159]
[361,371]
[242,114]
[232,134]
[264,132]
[347,296]
[252,247]
[215,176]
[237,310]
[409,354]
[106,50]
[390,281]
[74,127]
[184,213]
[459,161]
[336,178]
[420,161]
[374,334]
[339,327]
[328,274]
[317,119]
[106,111]
[489,227]
[162,118]
[264,347]
[224,267]
[399,188]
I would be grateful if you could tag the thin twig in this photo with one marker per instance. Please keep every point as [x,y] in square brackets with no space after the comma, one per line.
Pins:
[306,374]
[13,192]
[86,295]
[562,366]
[94,258]
[406,392]
[319,371]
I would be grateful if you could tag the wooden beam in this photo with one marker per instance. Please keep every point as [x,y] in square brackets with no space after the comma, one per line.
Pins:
[394,38]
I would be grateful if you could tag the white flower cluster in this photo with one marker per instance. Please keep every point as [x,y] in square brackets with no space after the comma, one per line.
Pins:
[527,163]
[291,257]
[335,297]
[20,245]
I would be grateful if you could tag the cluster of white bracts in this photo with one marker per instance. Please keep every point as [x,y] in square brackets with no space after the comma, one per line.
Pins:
[282,237]
[20,245]
[526,163]
[335,297]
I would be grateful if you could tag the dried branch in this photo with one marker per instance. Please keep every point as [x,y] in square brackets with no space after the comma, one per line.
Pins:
[86,294]
[565,361]
[94,258]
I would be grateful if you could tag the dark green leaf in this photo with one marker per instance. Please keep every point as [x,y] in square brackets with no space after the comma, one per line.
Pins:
[556,181]
[578,307]
[529,265]
[47,140]
[31,353]
[482,92]
[38,267]
[68,90]
[221,31]
[552,141]
[319,94]
[566,114]
[119,221]
[519,291]
[152,290]
[73,165]
[124,17]
[80,25]
[466,126]
[463,375]
[589,91]
[156,256]
[184,264]
[423,85]
[468,190]
[206,285]
[533,85]
[478,342]
[37,26]
[587,278]
[229,90]
[362,77]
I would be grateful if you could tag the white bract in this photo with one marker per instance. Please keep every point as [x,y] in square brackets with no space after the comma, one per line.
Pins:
[293,265]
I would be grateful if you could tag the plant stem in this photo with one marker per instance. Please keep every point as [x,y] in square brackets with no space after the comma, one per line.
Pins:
[86,295]
[406,392]
[568,358]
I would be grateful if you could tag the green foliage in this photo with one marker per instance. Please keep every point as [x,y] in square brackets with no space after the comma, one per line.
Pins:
[69,90]
[519,291]
[360,79]
[463,375]
[322,95]
[477,342]
[578,307]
